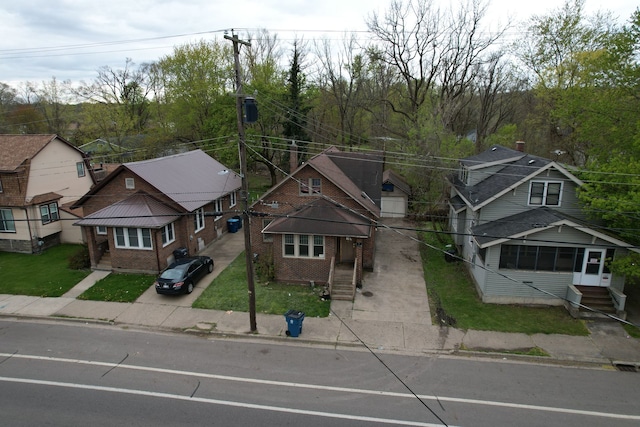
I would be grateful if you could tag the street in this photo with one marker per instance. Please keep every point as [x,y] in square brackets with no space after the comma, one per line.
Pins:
[60,373]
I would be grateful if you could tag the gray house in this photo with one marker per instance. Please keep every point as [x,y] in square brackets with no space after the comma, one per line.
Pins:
[515,218]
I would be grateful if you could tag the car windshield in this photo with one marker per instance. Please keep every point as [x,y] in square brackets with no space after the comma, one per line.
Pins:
[173,273]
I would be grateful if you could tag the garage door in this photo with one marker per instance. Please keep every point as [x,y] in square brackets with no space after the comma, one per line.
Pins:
[393,207]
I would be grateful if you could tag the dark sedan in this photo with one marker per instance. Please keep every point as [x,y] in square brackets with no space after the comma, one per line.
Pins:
[181,276]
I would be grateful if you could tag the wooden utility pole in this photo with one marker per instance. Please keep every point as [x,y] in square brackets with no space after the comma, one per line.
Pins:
[245,185]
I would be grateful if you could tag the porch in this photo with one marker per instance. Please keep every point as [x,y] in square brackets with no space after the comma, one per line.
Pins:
[595,302]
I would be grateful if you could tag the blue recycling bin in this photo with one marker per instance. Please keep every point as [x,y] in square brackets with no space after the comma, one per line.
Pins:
[294,322]
[233,225]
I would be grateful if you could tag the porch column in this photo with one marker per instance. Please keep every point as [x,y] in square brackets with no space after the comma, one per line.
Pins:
[360,260]
[94,253]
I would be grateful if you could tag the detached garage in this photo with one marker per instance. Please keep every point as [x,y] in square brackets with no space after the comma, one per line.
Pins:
[395,195]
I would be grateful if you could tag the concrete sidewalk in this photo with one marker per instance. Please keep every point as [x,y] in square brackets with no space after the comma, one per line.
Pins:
[390,313]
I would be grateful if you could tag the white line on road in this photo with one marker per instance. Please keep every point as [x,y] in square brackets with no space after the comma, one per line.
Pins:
[175,397]
[329,388]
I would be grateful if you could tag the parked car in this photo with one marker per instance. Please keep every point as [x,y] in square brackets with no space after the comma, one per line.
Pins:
[182,275]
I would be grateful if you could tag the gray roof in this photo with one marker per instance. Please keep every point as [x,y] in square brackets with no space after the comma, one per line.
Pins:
[509,175]
[139,210]
[494,155]
[457,203]
[391,177]
[191,179]
[322,217]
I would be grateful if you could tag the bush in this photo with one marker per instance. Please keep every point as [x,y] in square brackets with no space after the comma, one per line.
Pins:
[80,260]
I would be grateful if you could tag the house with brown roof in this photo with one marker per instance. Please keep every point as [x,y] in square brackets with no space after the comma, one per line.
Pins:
[142,212]
[319,224]
[40,176]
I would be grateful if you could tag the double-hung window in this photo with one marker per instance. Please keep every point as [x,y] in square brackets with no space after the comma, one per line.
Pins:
[133,238]
[7,224]
[310,186]
[168,234]
[544,193]
[80,169]
[217,207]
[49,212]
[233,197]
[303,246]
[198,219]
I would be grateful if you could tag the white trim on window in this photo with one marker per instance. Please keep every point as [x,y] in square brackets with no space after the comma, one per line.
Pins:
[302,246]
[7,223]
[80,169]
[101,230]
[545,193]
[49,213]
[1,186]
[233,199]
[198,219]
[132,238]
[217,207]
[129,183]
[168,235]
[310,187]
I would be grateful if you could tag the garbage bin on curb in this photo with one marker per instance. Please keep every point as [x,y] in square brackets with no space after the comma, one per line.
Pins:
[233,225]
[294,322]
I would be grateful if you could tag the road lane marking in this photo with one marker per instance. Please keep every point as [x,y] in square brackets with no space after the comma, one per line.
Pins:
[175,397]
[328,388]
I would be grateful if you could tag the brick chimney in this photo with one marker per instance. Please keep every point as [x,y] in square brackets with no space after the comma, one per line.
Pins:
[520,146]
[293,157]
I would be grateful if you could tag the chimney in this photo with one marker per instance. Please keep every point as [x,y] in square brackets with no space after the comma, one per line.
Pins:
[520,146]
[293,157]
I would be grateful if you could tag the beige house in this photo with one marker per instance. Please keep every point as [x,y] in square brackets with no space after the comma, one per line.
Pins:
[40,177]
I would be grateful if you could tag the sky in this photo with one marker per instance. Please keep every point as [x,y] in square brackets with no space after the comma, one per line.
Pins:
[72,39]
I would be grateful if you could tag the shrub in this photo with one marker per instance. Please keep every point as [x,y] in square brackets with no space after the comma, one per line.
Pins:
[80,260]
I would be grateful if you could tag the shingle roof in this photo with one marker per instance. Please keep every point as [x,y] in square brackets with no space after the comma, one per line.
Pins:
[517,224]
[510,174]
[191,179]
[495,154]
[390,176]
[139,210]
[18,148]
[321,217]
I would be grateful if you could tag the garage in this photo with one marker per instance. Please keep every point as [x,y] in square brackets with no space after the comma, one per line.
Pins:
[395,196]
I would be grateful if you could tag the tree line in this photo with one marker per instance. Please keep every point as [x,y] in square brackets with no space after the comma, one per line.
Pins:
[428,85]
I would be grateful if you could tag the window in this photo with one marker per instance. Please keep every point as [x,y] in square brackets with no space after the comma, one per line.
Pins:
[80,169]
[7,225]
[542,193]
[101,229]
[49,213]
[133,238]
[217,207]
[234,199]
[0,186]
[266,237]
[464,174]
[540,258]
[310,186]
[168,234]
[198,220]
[129,183]
[303,246]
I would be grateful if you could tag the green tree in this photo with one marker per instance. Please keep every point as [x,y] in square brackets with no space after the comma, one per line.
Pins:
[295,125]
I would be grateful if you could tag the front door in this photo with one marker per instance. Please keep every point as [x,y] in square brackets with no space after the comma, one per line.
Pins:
[347,251]
[593,268]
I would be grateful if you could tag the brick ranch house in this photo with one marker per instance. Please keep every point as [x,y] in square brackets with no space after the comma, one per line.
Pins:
[321,219]
[143,211]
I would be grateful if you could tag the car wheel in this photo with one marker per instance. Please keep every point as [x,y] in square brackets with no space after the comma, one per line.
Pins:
[210,268]
[190,288]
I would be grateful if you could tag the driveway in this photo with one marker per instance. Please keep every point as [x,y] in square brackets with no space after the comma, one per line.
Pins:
[394,294]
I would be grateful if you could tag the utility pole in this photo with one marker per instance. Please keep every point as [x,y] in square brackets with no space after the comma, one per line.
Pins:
[245,185]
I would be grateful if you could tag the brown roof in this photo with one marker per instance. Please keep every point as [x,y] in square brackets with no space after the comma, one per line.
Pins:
[16,149]
[322,217]
[139,210]
[390,176]
[46,197]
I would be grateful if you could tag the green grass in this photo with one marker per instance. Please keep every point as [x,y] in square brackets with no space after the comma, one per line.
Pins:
[229,292]
[632,331]
[41,275]
[119,288]
[450,285]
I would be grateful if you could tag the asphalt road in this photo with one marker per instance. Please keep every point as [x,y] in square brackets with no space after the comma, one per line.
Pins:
[76,374]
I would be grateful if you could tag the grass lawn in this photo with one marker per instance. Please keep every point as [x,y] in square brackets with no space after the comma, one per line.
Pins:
[449,285]
[229,292]
[119,288]
[41,275]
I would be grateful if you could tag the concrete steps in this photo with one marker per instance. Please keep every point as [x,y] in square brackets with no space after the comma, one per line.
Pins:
[105,262]
[597,298]
[343,289]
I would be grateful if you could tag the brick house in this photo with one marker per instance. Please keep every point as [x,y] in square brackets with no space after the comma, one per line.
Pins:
[40,176]
[143,211]
[321,219]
